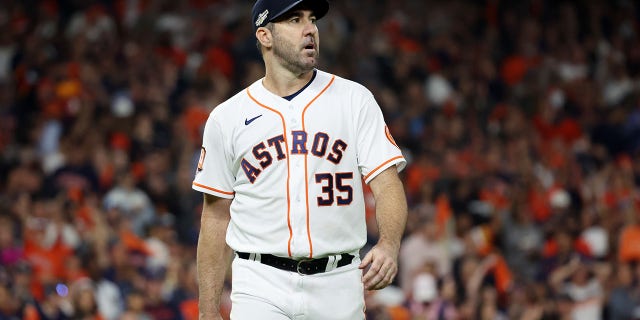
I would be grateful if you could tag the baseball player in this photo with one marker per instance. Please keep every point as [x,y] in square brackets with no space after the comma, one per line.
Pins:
[282,168]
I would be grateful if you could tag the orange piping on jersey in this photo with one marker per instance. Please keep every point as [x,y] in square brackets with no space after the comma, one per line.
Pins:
[286,144]
[213,189]
[380,166]
[306,171]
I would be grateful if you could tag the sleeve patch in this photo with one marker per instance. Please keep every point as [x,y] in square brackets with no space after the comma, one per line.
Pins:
[203,153]
[388,134]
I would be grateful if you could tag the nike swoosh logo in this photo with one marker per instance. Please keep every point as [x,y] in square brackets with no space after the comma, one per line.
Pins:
[248,121]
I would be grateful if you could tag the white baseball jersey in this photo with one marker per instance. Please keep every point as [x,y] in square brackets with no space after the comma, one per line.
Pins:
[294,169]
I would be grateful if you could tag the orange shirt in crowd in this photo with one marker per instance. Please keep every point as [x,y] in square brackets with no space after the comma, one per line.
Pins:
[46,262]
[418,174]
[629,245]
[502,275]
[189,309]
[399,313]
[568,130]
[194,118]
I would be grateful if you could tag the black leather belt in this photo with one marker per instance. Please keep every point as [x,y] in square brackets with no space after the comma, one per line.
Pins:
[304,266]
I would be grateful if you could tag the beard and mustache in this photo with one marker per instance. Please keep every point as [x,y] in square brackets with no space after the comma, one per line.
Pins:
[298,59]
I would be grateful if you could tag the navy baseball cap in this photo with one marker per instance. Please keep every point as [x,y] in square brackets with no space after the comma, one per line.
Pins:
[265,11]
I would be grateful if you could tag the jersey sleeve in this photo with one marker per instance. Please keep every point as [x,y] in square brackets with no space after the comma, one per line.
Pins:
[377,150]
[214,175]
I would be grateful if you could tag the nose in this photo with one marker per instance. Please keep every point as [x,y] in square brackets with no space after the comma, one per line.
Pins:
[310,30]
[310,27]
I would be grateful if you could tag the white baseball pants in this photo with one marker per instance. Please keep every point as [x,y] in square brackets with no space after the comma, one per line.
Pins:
[263,292]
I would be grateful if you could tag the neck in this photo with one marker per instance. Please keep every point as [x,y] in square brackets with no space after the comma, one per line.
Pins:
[283,82]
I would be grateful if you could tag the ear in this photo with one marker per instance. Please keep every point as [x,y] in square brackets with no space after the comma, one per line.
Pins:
[264,37]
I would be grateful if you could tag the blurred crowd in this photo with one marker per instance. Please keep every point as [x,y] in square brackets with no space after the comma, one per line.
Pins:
[520,121]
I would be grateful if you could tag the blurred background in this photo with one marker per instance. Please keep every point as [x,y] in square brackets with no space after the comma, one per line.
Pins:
[520,121]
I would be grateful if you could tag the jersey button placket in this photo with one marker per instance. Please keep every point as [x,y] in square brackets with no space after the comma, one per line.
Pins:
[297,186]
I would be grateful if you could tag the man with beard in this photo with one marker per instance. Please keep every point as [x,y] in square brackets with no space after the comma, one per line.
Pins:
[282,168]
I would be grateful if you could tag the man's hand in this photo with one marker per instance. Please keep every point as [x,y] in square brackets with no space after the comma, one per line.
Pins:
[383,266]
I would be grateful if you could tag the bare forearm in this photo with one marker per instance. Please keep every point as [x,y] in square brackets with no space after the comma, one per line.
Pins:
[391,208]
[391,213]
[213,256]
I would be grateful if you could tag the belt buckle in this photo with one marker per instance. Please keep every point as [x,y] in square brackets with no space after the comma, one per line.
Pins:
[299,265]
